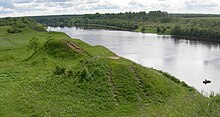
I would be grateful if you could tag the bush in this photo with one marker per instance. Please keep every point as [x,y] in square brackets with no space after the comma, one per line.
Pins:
[69,73]
[84,75]
[142,29]
[21,25]
[14,30]
[59,70]
[39,28]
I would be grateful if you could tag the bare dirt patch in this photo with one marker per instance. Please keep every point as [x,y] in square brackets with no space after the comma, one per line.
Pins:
[114,57]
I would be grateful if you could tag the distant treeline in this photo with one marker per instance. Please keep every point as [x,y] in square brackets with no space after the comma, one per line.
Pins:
[57,20]
[194,15]
[126,21]
[189,25]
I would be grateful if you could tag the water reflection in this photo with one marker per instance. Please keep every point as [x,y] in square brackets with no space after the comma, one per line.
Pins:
[190,61]
[209,44]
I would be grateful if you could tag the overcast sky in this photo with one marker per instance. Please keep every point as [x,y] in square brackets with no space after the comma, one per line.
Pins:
[54,7]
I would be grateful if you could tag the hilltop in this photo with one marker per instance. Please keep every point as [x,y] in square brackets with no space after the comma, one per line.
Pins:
[50,74]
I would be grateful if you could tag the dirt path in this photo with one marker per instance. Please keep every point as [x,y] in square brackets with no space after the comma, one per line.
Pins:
[76,48]
[114,57]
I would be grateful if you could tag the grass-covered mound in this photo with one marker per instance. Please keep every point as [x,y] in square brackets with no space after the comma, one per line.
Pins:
[50,74]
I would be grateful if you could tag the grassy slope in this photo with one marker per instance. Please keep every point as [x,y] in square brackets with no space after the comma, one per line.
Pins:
[99,86]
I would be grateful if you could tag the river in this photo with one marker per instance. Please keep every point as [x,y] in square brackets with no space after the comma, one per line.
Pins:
[190,61]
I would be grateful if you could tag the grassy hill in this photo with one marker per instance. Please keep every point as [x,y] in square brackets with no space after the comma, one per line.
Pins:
[51,74]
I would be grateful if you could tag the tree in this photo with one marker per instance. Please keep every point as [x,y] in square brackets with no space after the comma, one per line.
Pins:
[163,30]
[157,14]
[158,29]
[142,29]
[14,29]
[176,30]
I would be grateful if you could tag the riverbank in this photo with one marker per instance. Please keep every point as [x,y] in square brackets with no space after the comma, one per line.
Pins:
[153,31]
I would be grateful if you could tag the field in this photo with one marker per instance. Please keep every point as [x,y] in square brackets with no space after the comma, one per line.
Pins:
[51,74]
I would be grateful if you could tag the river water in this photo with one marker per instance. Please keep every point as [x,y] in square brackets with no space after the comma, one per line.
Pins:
[189,61]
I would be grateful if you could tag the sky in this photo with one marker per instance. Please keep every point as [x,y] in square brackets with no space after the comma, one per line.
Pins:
[14,8]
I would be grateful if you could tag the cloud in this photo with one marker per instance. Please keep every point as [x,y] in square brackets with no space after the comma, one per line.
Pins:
[22,1]
[5,10]
[47,1]
[201,5]
[211,6]
[151,4]
[6,4]
[50,7]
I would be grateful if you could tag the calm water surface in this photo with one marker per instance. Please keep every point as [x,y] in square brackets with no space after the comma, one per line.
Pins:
[190,61]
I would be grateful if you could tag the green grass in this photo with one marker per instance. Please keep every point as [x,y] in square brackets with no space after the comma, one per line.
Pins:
[98,86]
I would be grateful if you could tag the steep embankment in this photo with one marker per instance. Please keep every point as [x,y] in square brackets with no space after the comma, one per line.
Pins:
[67,77]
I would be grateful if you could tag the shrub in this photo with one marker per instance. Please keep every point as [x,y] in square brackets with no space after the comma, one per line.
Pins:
[83,74]
[69,73]
[59,70]
[14,29]
[39,28]
[21,25]
[142,29]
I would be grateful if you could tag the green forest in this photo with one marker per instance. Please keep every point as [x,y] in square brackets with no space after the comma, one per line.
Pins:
[199,26]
